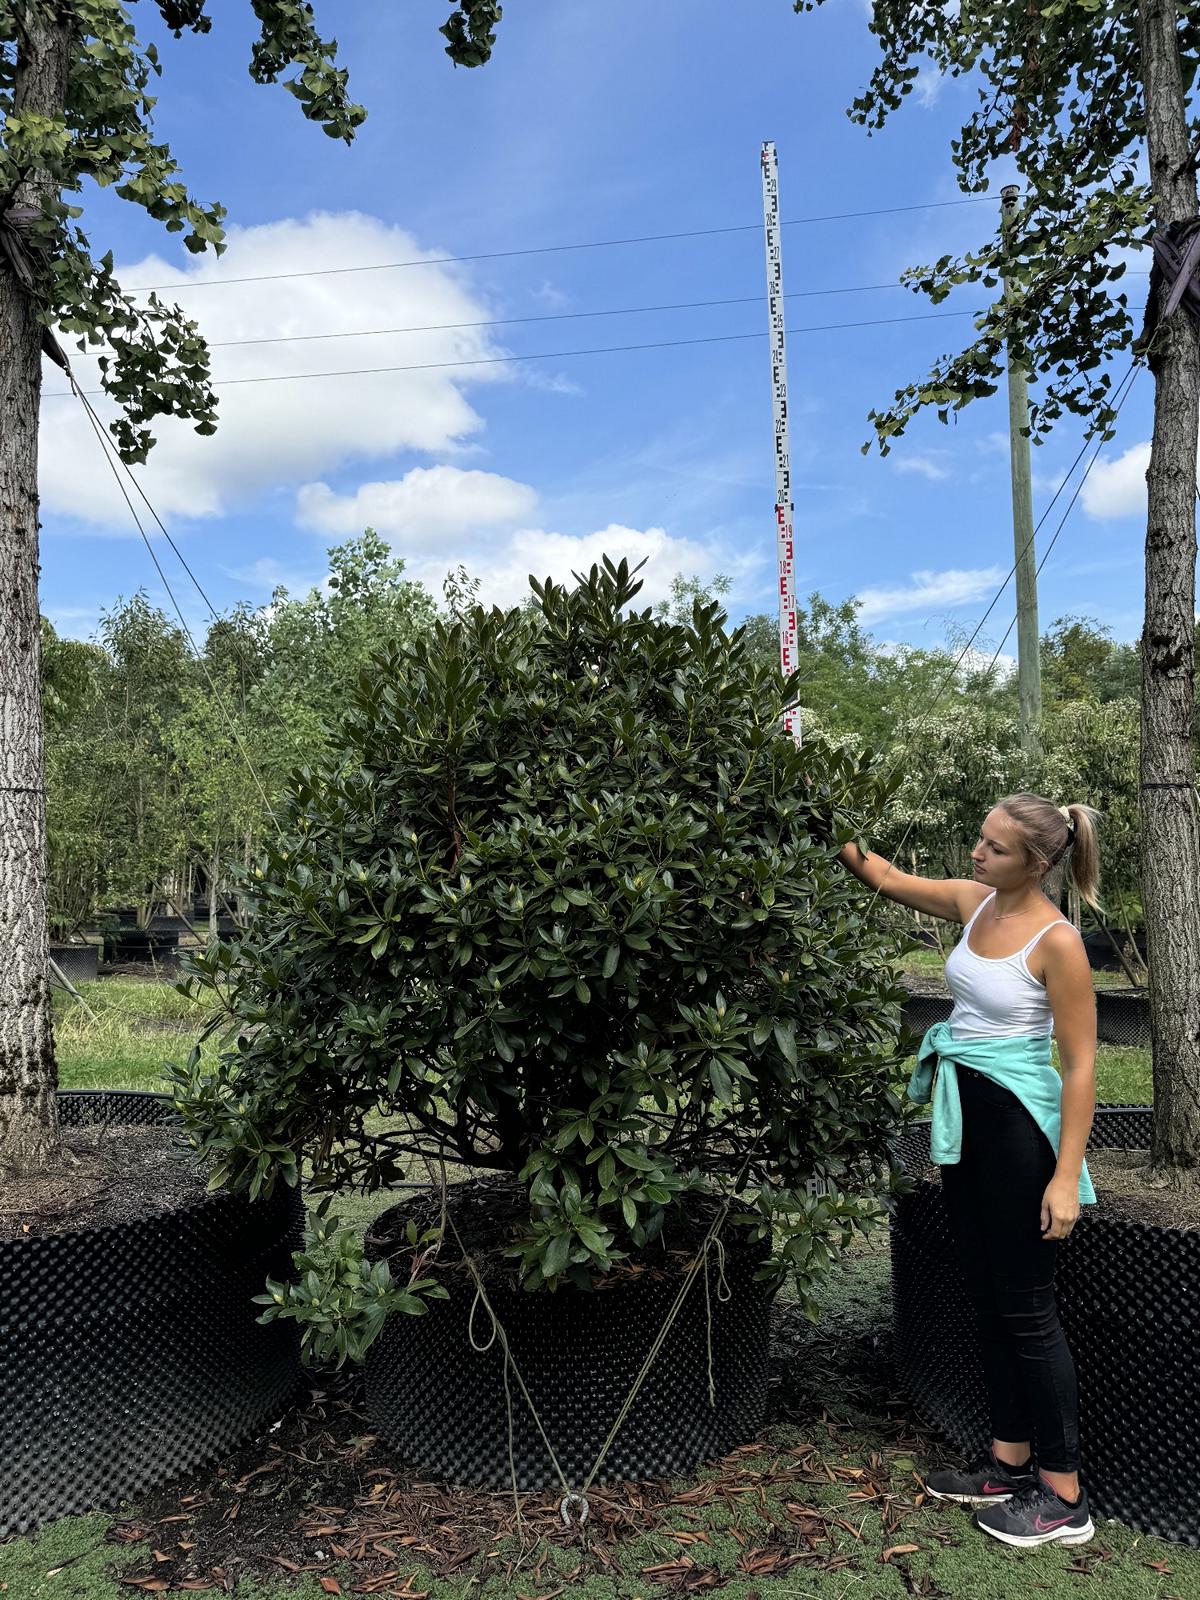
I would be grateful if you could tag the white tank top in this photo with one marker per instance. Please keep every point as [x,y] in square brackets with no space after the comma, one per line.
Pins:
[996,995]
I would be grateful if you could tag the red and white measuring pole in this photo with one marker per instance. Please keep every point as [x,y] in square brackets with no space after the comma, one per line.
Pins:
[783,472]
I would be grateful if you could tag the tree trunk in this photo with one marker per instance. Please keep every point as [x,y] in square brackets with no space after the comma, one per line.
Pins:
[1168,804]
[29,1137]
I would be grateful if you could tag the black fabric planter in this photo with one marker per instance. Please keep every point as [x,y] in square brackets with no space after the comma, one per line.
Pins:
[118,916]
[166,922]
[1123,1017]
[921,1011]
[440,1403]
[130,1353]
[78,963]
[1129,1298]
[140,944]
[1102,956]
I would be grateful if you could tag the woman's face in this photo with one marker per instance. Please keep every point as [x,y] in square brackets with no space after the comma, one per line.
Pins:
[999,855]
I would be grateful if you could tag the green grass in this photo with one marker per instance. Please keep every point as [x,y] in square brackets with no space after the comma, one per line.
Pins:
[123,1033]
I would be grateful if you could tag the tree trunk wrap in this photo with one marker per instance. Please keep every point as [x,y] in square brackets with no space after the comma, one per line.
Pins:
[28,1111]
[1170,824]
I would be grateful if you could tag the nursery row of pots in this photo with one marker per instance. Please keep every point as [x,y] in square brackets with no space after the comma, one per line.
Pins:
[132,1353]
[156,945]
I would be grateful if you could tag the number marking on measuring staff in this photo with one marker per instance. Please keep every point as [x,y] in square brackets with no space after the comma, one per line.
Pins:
[784,538]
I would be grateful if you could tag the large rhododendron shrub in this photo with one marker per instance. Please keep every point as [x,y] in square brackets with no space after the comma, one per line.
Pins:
[564,903]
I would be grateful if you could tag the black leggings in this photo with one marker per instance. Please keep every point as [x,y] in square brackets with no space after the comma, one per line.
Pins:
[994,1198]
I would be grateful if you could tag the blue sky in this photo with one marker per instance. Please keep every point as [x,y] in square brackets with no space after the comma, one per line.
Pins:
[590,123]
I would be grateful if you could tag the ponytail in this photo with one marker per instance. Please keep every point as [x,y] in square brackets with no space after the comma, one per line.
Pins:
[1083,853]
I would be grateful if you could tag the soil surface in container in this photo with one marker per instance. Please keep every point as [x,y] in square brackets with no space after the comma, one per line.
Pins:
[111,1175]
[1119,1179]
[491,1213]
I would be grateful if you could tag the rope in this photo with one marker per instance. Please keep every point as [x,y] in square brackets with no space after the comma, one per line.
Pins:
[570,1496]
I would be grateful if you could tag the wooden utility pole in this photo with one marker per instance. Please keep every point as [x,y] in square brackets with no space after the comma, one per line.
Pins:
[1169,811]
[1029,666]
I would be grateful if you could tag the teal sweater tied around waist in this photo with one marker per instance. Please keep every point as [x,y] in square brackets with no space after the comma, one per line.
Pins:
[1020,1063]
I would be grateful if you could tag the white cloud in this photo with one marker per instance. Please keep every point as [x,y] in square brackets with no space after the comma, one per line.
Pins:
[274,434]
[425,507]
[269,574]
[558,555]
[924,466]
[1117,488]
[439,517]
[929,84]
[928,591]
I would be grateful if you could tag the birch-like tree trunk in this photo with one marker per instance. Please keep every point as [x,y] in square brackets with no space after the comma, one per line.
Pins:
[29,1137]
[1170,817]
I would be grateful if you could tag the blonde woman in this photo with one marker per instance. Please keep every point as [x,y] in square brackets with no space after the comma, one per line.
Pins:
[1009,1136]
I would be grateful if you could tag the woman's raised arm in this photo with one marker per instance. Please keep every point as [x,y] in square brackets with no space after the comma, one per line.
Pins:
[953,899]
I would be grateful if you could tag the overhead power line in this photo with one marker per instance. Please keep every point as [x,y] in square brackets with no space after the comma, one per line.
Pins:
[509,322]
[555,249]
[552,355]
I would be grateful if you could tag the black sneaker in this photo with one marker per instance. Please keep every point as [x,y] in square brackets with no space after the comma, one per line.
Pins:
[1037,1514]
[980,1482]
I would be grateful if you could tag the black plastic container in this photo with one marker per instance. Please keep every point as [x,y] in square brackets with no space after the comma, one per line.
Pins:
[131,1353]
[1122,1015]
[78,963]
[1129,1298]
[141,945]
[1102,956]
[440,1403]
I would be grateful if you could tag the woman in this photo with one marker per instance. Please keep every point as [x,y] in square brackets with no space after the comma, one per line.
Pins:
[1010,1137]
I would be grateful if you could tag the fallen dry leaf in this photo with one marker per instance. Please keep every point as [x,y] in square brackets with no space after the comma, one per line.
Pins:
[900,1550]
[330,1585]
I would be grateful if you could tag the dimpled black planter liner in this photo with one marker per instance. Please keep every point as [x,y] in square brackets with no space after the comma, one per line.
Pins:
[131,1353]
[440,1404]
[1129,1298]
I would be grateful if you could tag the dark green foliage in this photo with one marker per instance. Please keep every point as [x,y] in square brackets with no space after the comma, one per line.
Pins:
[565,903]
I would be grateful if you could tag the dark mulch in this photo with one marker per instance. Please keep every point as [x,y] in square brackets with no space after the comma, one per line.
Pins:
[111,1175]
[319,1495]
[491,1211]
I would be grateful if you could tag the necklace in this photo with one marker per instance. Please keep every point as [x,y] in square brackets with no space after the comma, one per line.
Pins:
[999,916]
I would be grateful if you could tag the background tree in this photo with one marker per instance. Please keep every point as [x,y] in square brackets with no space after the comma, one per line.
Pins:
[74,676]
[315,647]
[1082,661]
[1087,97]
[76,108]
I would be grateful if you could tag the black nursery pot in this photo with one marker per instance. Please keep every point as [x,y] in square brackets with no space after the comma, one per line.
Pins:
[78,963]
[1129,1298]
[131,1353]
[440,1403]
[141,944]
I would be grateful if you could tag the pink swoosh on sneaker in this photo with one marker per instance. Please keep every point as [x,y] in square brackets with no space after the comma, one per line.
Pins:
[997,1488]
[1045,1527]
